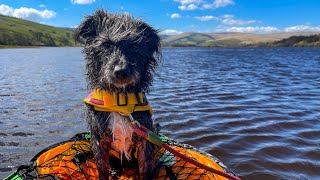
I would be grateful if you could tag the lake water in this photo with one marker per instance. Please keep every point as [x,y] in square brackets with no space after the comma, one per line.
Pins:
[256,109]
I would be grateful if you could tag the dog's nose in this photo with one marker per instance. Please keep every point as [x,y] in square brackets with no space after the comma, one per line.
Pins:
[121,72]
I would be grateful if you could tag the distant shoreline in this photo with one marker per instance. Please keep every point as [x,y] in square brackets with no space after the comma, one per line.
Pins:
[168,47]
[18,33]
[12,46]
[17,46]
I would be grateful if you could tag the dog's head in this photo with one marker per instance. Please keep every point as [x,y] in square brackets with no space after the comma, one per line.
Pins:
[121,52]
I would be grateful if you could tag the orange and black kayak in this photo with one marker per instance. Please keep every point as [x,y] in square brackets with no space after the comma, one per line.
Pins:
[73,159]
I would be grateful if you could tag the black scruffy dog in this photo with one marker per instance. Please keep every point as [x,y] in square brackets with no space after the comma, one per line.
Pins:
[121,55]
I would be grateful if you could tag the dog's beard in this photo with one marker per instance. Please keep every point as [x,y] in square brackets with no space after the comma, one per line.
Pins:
[122,132]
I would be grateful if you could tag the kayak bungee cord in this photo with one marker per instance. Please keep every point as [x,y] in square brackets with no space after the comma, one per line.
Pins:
[155,139]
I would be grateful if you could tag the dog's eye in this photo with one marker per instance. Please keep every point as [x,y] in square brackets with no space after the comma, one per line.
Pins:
[132,64]
[107,45]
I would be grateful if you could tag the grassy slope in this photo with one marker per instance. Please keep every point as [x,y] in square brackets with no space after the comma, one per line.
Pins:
[18,32]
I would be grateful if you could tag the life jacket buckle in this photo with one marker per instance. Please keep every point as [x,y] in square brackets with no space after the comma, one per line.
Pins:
[126,99]
[144,101]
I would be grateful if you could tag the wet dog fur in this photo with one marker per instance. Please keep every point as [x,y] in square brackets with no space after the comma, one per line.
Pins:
[121,53]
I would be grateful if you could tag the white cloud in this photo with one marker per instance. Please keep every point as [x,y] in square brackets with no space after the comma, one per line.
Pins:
[33,14]
[218,4]
[26,13]
[229,20]
[6,10]
[175,16]
[269,29]
[188,1]
[226,20]
[74,26]
[42,6]
[202,4]
[188,7]
[250,29]
[206,18]
[222,3]
[82,1]
[170,32]
[302,28]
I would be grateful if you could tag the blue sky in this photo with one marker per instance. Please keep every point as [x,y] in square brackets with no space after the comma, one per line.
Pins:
[176,16]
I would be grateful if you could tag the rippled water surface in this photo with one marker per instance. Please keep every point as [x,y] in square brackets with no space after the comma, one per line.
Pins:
[257,110]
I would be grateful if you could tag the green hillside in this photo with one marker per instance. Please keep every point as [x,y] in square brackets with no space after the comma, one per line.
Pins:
[18,32]
[298,41]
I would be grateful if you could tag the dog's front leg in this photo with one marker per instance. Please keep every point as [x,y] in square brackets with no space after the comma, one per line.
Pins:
[145,159]
[101,149]
[100,140]
[144,147]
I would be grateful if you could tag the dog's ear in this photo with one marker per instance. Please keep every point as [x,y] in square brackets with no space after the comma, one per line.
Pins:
[153,43]
[86,30]
[91,26]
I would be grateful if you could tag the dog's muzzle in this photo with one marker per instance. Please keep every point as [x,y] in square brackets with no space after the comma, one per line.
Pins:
[121,72]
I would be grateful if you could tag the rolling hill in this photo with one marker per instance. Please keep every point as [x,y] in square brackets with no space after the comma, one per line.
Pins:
[227,39]
[18,32]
